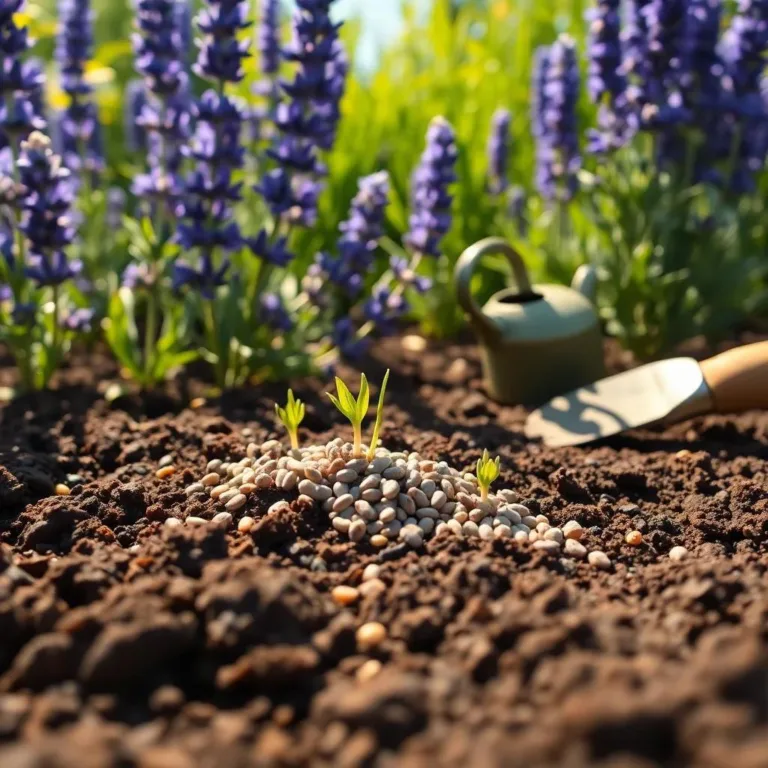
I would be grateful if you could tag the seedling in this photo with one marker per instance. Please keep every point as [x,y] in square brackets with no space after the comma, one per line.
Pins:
[354,410]
[379,418]
[488,471]
[292,416]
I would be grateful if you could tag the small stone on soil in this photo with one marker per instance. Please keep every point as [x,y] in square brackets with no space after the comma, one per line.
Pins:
[678,553]
[370,635]
[62,490]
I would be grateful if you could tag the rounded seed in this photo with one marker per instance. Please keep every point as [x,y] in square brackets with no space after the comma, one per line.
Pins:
[219,490]
[485,532]
[511,514]
[394,473]
[419,497]
[344,595]
[340,489]
[172,522]
[372,571]
[246,524]
[387,515]
[315,491]
[552,547]
[341,525]
[191,490]
[390,489]
[634,538]
[502,532]
[270,446]
[379,541]
[428,512]
[357,530]
[195,521]
[392,530]
[236,502]
[368,670]
[247,489]
[224,519]
[438,500]
[427,525]
[599,560]
[161,474]
[405,502]
[211,479]
[227,496]
[371,481]
[521,537]
[554,534]
[378,465]
[343,502]
[575,548]
[470,529]
[263,481]
[372,495]
[530,522]
[678,553]
[370,635]
[290,481]
[572,530]
[461,516]
[214,465]
[413,536]
[315,475]
[509,496]
[346,476]
[428,487]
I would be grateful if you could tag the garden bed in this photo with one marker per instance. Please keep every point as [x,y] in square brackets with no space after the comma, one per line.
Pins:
[128,641]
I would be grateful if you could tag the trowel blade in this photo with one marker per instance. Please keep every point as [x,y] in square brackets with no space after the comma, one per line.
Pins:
[667,390]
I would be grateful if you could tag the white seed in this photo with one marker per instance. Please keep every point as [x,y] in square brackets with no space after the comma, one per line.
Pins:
[271,446]
[552,547]
[412,535]
[554,534]
[530,522]
[509,496]
[678,553]
[394,473]
[521,537]
[341,525]
[224,519]
[372,495]
[340,489]
[226,497]
[172,522]
[365,510]
[211,479]
[470,529]
[372,481]
[511,514]
[378,465]
[485,532]
[315,491]
[429,487]
[218,490]
[263,481]
[346,476]
[195,521]
[343,502]
[246,524]
[371,571]
[438,500]
[542,519]
[357,531]
[290,481]
[388,515]
[390,489]
[573,530]
[214,465]
[191,490]
[599,560]
[502,532]
[236,502]
[461,516]
[575,548]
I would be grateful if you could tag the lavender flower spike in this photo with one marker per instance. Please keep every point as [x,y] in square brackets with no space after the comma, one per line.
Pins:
[431,198]
[556,83]
[269,38]
[605,52]
[79,128]
[498,152]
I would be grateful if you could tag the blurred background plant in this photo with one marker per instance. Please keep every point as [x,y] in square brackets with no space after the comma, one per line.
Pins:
[630,135]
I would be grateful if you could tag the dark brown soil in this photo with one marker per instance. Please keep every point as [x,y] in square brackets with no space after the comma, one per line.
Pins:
[124,643]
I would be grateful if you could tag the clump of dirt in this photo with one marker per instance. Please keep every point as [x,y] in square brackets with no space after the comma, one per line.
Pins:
[131,640]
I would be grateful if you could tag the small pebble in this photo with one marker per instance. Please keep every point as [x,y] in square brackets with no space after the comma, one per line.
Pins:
[62,490]
[357,531]
[552,547]
[164,472]
[166,461]
[73,480]
[379,541]
[678,553]
[575,548]
[173,522]
[599,560]
[370,635]
[196,403]
[573,530]
[211,479]
[195,521]
[344,595]
[246,524]
[634,538]
[191,490]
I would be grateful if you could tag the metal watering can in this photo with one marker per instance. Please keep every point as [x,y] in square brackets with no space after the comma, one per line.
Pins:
[536,341]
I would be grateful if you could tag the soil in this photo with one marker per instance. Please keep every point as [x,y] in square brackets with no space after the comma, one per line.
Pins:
[126,643]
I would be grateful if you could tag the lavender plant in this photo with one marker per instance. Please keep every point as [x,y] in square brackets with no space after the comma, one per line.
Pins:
[37,320]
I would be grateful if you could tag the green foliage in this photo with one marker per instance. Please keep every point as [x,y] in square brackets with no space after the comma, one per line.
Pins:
[354,409]
[292,416]
[379,418]
[488,471]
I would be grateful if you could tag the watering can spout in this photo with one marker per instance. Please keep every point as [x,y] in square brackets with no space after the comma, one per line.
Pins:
[585,282]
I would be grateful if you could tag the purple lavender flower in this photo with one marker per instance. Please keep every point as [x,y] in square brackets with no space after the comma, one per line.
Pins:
[161,109]
[345,338]
[275,253]
[79,320]
[556,89]
[406,276]
[385,309]
[135,100]
[221,53]
[498,152]
[206,278]
[20,82]
[307,120]
[606,79]
[138,277]
[359,237]
[79,128]
[274,313]
[431,198]
[46,207]
[269,37]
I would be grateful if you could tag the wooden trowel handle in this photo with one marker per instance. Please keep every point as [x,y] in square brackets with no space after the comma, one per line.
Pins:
[738,379]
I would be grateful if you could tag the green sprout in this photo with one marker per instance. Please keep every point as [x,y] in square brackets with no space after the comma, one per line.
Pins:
[379,418]
[488,471]
[292,416]
[354,410]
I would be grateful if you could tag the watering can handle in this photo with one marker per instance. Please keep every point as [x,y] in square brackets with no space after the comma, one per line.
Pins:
[465,269]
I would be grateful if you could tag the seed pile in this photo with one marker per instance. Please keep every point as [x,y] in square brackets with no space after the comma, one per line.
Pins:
[396,497]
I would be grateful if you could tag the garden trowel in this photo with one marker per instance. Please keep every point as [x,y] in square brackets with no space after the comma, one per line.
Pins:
[666,391]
